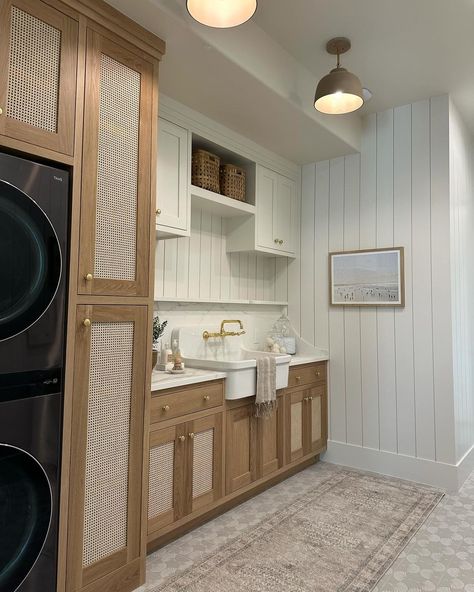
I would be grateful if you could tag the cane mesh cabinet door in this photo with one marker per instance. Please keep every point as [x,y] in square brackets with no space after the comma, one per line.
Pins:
[116,205]
[205,435]
[107,445]
[38,54]
[167,477]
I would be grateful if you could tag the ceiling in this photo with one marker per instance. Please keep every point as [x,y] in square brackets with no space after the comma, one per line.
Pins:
[402,50]
[259,79]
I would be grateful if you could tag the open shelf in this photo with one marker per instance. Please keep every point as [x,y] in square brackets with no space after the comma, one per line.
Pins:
[219,205]
[216,301]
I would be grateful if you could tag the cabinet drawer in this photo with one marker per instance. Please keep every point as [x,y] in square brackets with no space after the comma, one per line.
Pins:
[307,374]
[179,403]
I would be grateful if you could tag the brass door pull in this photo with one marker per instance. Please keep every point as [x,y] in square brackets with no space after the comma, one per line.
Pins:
[86,322]
[280,242]
[191,436]
[1,110]
[88,277]
[206,398]
[158,212]
[297,378]
[310,398]
[181,438]
[166,407]
[276,241]
[318,373]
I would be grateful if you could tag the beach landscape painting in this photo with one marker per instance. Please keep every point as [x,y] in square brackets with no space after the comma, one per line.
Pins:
[367,278]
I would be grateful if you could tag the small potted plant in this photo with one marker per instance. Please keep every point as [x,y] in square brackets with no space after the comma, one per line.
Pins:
[158,330]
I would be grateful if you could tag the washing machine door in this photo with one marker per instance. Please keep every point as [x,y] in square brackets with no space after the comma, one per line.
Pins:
[30,261]
[25,514]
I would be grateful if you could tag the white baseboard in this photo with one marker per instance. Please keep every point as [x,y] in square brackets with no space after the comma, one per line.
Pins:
[436,474]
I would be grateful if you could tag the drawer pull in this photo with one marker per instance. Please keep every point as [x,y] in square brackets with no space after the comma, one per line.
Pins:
[310,398]
[158,212]
[276,241]
[318,373]
[166,407]
[206,398]
[88,277]
[181,438]
[191,436]
[86,322]
[280,242]
[297,378]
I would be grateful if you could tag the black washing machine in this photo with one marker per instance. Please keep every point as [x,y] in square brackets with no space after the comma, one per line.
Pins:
[34,212]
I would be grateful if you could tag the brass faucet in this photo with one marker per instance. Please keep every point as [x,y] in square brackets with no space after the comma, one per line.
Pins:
[206,335]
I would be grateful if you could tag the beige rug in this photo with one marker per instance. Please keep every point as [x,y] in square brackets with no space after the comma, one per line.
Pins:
[340,537]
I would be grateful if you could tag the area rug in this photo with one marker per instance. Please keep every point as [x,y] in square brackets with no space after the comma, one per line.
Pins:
[340,537]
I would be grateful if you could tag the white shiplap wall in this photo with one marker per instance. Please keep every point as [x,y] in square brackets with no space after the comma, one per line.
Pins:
[391,378]
[462,269]
[199,268]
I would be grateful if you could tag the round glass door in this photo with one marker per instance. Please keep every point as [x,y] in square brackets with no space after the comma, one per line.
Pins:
[25,514]
[30,261]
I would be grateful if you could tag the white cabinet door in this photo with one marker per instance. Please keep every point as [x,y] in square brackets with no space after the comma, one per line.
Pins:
[172,179]
[266,196]
[284,215]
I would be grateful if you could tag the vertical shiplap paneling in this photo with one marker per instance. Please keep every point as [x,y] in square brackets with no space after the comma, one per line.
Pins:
[441,285]
[422,304]
[215,256]
[160,264]
[205,256]
[234,276]
[386,316]
[321,237]
[307,252]
[244,276]
[336,314]
[182,272]
[269,279]
[281,279]
[225,267]
[368,316]
[194,262]
[352,315]
[252,272]
[402,228]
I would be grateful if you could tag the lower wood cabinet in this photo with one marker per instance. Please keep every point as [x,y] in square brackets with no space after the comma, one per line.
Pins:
[254,446]
[305,422]
[185,469]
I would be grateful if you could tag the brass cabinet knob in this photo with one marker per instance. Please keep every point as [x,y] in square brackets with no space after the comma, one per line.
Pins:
[206,398]
[191,436]
[280,241]
[306,399]
[1,110]
[276,241]
[88,277]
[318,373]
[86,322]
[166,407]
[297,378]
[158,212]
[310,398]
[181,438]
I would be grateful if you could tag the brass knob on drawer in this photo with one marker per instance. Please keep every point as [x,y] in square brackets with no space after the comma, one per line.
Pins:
[181,438]
[297,378]
[310,398]
[191,436]
[166,407]
[206,398]
[86,322]
[88,277]
[306,399]
[158,212]
[318,373]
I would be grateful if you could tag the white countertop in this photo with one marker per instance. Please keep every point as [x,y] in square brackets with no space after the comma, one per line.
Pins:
[308,358]
[163,380]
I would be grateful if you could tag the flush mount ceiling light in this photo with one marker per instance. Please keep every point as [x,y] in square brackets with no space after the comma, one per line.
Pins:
[339,91]
[222,14]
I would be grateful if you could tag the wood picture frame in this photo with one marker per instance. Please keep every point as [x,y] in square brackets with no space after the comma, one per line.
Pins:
[367,277]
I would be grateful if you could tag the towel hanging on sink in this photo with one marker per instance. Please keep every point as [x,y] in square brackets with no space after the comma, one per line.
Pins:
[266,398]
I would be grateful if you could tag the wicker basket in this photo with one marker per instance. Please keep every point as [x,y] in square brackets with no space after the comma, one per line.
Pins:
[205,170]
[232,180]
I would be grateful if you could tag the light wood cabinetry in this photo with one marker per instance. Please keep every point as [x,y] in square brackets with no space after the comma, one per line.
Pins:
[305,412]
[173,181]
[115,201]
[185,463]
[38,53]
[107,443]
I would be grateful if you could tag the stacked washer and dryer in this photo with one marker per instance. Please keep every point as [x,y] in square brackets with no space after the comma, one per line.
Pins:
[34,217]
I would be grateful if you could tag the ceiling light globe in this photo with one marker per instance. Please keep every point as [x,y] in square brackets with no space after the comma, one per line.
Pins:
[222,14]
[339,92]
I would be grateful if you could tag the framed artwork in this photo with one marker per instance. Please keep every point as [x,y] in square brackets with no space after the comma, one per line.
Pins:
[367,278]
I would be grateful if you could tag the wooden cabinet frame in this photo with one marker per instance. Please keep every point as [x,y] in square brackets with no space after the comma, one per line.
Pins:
[63,140]
[98,44]
[78,576]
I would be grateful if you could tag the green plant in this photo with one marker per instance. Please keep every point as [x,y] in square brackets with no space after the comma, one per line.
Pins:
[158,328]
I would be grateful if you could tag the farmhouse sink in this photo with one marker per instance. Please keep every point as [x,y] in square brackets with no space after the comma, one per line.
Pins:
[228,355]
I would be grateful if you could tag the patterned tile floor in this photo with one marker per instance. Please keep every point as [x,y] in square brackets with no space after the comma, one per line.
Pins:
[440,557]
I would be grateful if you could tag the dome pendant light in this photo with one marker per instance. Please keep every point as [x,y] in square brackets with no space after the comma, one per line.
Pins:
[222,14]
[339,91]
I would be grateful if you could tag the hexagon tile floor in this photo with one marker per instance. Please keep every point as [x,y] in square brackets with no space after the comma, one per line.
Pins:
[439,558]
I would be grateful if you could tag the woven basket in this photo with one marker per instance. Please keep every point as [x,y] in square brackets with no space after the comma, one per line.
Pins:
[205,170]
[232,180]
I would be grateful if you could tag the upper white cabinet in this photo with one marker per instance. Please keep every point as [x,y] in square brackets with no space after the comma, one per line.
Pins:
[173,216]
[272,230]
